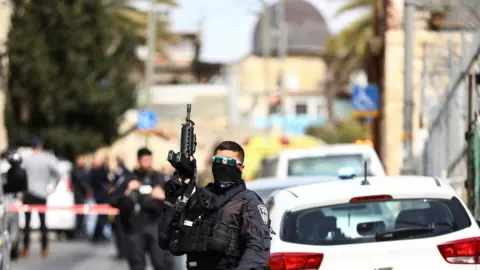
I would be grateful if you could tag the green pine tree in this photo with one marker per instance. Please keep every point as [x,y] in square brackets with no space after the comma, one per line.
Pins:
[68,75]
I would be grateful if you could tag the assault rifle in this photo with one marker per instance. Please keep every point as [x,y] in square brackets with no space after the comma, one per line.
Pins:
[184,162]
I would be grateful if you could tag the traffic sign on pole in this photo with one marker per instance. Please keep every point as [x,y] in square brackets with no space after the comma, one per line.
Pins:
[146,120]
[365,101]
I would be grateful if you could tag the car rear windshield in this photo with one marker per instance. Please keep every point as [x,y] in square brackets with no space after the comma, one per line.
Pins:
[325,165]
[363,222]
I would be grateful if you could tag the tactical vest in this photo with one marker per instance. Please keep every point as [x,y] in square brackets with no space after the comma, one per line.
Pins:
[211,225]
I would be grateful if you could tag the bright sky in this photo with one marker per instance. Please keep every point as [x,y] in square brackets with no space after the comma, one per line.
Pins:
[229,24]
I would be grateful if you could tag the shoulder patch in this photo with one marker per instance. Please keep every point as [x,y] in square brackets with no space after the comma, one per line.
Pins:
[263,212]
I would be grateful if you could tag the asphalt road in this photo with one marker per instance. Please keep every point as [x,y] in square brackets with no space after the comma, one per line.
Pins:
[71,255]
[74,255]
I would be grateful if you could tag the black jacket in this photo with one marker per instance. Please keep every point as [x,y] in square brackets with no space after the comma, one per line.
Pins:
[98,179]
[79,178]
[138,210]
[246,217]
[16,180]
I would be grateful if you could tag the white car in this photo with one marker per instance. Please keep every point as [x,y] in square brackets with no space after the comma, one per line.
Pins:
[62,196]
[264,187]
[325,160]
[395,223]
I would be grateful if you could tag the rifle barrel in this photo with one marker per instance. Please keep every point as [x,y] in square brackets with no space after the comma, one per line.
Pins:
[189,109]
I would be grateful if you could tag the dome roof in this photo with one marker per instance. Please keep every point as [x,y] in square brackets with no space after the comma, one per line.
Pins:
[307,29]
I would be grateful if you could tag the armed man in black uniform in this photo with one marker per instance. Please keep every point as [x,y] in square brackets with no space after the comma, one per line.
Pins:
[221,226]
[140,204]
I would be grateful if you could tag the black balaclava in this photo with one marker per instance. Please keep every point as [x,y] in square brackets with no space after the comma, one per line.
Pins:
[226,176]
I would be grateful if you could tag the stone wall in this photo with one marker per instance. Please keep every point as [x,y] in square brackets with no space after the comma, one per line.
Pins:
[308,71]
[302,74]
[209,131]
[435,45]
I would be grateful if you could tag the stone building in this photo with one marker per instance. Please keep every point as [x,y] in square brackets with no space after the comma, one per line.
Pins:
[305,74]
[431,41]
[176,66]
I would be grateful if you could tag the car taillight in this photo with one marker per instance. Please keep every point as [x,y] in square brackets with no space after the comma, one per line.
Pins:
[464,251]
[371,198]
[295,261]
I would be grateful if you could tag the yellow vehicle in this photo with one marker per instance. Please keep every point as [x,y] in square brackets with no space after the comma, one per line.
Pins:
[259,147]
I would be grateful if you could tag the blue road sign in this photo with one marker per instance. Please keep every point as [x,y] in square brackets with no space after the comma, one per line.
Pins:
[365,101]
[146,120]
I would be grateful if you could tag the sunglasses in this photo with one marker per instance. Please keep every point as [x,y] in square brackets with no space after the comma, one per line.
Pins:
[226,161]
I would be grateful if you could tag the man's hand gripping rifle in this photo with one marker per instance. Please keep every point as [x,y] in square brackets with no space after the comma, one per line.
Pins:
[184,163]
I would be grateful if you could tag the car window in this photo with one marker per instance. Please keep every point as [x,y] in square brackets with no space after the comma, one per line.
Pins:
[362,222]
[326,165]
[269,168]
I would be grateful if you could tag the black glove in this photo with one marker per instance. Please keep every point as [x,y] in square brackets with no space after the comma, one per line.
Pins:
[173,189]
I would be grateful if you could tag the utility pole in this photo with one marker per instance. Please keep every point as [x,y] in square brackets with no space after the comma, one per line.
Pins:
[151,38]
[375,70]
[233,93]
[282,54]
[409,20]
[266,48]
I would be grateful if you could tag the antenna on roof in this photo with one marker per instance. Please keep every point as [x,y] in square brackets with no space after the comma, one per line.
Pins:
[365,170]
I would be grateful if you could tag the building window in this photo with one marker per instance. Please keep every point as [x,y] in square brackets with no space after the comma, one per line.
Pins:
[322,110]
[301,109]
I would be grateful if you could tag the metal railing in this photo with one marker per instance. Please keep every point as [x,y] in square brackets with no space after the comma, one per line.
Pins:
[444,152]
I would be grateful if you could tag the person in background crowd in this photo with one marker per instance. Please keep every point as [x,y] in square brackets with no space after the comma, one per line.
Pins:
[81,190]
[100,183]
[16,176]
[140,213]
[42,169]
[120,175]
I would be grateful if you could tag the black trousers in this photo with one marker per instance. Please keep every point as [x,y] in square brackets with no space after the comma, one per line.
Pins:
[32,199]
[121,238]
[146,241]
[80,218]
[102,220]
[98,235]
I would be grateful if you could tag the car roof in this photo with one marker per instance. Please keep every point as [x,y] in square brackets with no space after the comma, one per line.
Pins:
[330,149]
[279,183]
[399,187]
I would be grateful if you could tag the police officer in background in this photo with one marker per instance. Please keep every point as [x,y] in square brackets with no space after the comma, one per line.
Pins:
[225,226]
[120,175]
[81,191]
[140,210]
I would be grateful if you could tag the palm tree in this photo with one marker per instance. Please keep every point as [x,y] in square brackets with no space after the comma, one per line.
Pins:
[348,49]
[346,52]
[128,17]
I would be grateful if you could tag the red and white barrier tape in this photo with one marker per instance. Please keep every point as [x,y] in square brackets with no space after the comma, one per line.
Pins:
[100,209]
